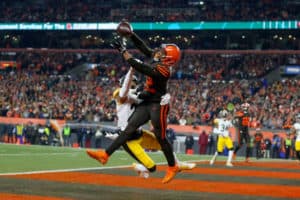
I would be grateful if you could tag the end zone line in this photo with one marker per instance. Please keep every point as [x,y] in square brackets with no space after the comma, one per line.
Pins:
[77,169]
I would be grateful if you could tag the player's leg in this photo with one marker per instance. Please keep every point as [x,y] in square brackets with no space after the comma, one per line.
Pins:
[239,143]
[145,164]
[138,118]
[150,142]
[248,141]
[220,147]
[137,151]
[184,165]
[297,148]
[229,145]
[139,168]
[159,122]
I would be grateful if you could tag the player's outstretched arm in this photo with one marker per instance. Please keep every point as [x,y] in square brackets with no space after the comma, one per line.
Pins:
[141,45]
[124,29]
[140,66]
[126,84]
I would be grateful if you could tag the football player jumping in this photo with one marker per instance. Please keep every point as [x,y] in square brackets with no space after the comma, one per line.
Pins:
[126,97]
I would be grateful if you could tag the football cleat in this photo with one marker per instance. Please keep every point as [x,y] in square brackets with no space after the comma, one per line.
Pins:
[171,173]
[100,155]
[186,166]
[141,170]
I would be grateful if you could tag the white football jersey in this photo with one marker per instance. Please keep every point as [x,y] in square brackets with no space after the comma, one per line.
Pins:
[297,128]
[124,111]
[223,126]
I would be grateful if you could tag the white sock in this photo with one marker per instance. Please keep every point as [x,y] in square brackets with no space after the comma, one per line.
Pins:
[140,167]
[215,156]
[230,155]
[176,159]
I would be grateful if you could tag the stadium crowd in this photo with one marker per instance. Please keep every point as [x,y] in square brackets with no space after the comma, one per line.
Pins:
[47,85]
[170,10]
[44,86]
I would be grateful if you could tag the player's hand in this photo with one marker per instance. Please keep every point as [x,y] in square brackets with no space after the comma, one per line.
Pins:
[118,44]
[124,29]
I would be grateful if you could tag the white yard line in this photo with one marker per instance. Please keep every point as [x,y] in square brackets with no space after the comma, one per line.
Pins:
[78,169]
[62,170]
[37,154]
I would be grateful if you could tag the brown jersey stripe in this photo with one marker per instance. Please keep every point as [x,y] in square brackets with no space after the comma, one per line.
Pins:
[163,135]
[165,72]
[163,119]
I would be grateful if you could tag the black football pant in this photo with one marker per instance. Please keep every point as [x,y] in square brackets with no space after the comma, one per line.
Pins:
[144,112]
[243,136]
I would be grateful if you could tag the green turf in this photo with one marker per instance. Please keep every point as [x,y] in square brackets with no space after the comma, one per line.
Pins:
[23,158]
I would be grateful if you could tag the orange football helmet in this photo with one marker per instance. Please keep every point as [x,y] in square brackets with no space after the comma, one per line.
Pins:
[171,54]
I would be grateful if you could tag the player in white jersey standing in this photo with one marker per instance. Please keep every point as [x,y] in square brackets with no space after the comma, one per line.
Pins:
[126,96]
[296,130]
[222,126]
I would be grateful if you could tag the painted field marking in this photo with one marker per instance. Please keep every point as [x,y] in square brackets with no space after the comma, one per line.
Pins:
[37,154]
[77,169]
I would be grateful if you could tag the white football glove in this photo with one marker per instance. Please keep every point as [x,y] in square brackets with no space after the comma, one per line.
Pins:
[165,99]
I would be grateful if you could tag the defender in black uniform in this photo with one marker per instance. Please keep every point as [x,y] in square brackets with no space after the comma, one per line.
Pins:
[242,121]
[151,108]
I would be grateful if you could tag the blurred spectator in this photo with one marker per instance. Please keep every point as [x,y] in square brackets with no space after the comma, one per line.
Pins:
[67,135]
[20,133]
[30,134]
[203,142]
[36,91]
[211,145]
[171,136]
[258,138]
[268,146]
[98,137]
[11,133]
[175,10]
[288,146]
[276,146]
[189,143]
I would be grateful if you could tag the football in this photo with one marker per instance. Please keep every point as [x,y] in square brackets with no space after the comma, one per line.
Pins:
[124,29]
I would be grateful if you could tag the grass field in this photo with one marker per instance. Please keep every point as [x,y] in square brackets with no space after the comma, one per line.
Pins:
[22,158]
[57,173]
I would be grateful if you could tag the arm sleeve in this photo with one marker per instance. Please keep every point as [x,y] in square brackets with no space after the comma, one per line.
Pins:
[134,98]
[143,68]
[141,45]
[126,84]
